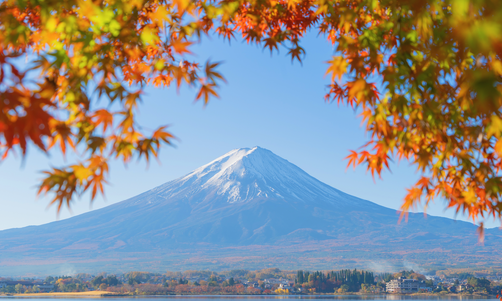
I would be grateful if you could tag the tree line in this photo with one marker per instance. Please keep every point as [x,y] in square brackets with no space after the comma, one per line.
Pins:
[243,282]
[347,280]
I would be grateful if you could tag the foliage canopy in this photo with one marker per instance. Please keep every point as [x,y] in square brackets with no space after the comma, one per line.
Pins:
[425,75]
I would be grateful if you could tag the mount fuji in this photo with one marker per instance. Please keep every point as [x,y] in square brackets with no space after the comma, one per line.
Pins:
[246,209]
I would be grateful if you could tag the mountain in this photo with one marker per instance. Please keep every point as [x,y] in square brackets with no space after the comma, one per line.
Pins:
[247,209]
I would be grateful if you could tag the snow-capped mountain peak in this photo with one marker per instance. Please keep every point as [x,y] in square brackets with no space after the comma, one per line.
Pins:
[248,173]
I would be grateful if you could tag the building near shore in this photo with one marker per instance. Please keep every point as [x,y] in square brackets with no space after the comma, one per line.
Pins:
[403,286]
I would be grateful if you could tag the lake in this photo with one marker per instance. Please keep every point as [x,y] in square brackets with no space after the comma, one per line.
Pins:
[265,298]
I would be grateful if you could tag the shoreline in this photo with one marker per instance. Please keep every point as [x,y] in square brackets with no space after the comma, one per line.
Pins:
[69,294]
[106,294]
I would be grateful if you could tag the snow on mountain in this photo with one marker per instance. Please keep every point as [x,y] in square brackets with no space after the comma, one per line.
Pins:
[244,174]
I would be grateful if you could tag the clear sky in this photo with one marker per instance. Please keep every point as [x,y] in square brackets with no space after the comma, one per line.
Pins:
[268,102]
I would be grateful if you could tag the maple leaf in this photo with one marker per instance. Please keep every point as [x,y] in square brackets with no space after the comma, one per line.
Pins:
[296,52]
[103,117]
[149,35]
[160,15]
[181,4]
[205,91]
[211,74]
[337,67]
[62,133]
[271,43]
[180,47]
[353,159]
[162,135]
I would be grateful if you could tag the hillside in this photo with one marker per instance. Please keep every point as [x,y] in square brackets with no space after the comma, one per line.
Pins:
[247,209]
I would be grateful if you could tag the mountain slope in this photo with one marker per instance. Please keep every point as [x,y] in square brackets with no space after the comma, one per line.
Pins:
[246,203]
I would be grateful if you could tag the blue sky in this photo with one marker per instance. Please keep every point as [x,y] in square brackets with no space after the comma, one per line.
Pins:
[268,102]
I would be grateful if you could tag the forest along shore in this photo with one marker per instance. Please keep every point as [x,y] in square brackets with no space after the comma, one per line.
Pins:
[270,281]
[365,296]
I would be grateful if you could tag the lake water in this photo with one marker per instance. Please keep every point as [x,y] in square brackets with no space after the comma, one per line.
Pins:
[267,298]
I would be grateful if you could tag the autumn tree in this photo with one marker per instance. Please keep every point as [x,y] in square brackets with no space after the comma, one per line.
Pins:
[19,288]
[425,76]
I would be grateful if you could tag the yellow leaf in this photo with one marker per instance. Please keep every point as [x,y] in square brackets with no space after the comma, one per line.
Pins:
[460,8]
[114,28]
[424,25]
[337,67]
[81,172]
[497,67]
[160,64]
[181,4]
[357,89]
[160,15]
[495,127]
[51,24]
[149,36]
[87,8]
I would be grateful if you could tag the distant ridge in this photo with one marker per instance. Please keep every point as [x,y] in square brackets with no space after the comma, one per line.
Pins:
[246,209]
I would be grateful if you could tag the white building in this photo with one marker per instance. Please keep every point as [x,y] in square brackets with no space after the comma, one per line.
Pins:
[403,285]
[285,286]
[435,279]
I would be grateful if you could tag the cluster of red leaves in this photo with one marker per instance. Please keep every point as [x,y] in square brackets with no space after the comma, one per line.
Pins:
[85,53]
[425,76]
[440,101]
